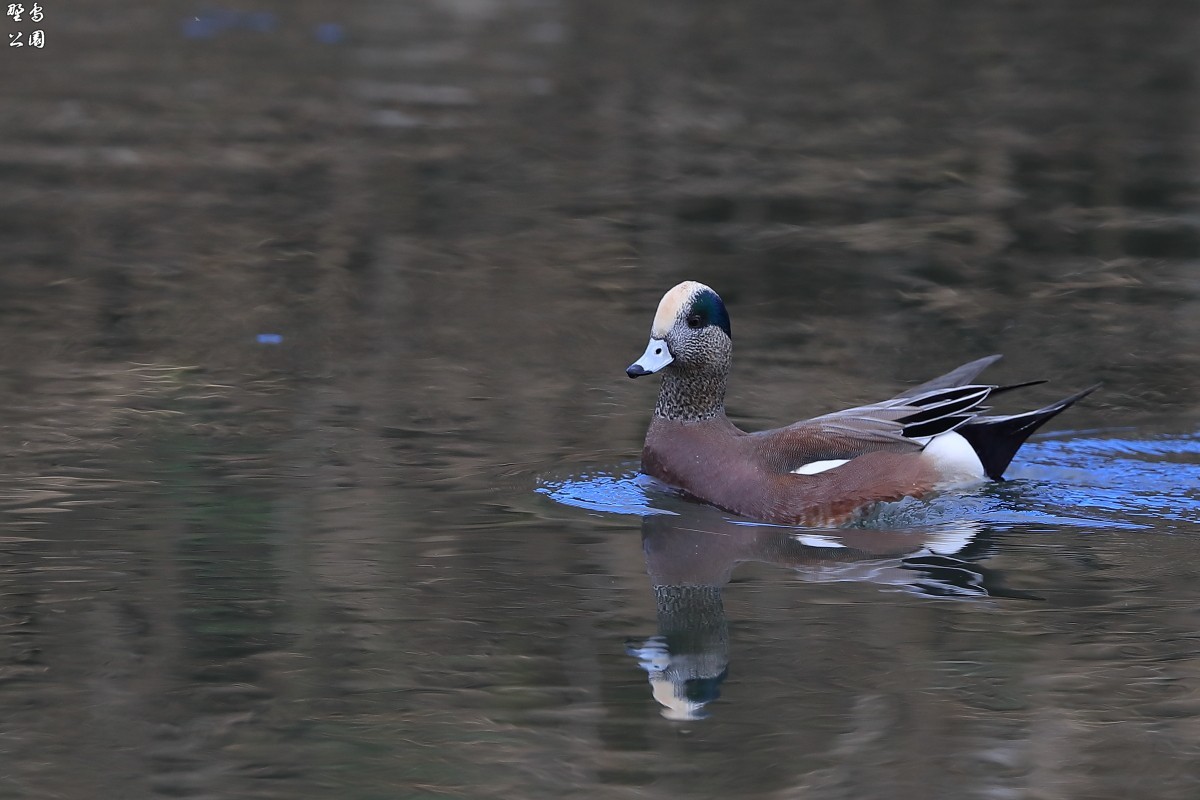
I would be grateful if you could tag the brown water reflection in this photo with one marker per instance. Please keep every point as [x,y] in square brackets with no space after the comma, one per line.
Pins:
[320,567]
[690,559]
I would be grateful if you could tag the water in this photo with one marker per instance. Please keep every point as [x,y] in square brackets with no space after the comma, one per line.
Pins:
[320,463]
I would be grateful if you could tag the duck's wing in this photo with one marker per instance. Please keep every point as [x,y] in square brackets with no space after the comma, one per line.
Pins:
[901,424]
[960,376]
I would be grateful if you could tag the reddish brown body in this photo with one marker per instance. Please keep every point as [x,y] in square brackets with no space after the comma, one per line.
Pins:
[714,461]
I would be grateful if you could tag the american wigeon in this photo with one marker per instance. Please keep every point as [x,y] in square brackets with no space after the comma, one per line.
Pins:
[821,471]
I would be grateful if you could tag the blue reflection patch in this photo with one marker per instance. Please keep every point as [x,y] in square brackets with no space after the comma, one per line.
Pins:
[622,490]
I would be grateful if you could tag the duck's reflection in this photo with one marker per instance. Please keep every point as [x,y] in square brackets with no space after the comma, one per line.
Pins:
[691,557]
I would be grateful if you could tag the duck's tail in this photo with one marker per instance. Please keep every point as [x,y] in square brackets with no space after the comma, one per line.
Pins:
[996,439]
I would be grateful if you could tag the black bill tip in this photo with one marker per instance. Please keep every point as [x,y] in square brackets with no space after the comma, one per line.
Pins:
[636,371]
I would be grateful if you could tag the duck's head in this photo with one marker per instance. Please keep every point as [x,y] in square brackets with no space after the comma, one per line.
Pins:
[690,333]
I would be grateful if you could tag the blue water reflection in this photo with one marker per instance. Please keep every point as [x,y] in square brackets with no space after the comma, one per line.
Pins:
[619,490]
[1117,482]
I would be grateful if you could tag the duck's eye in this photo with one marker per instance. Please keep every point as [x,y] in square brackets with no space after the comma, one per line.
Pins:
[695,321]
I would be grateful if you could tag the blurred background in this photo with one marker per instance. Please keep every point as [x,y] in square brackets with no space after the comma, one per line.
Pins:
[312,313]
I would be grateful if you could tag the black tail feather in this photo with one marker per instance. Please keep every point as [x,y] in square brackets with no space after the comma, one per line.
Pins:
[1009,387]
[997,439]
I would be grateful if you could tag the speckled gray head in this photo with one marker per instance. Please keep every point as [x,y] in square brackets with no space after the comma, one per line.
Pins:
[690,331]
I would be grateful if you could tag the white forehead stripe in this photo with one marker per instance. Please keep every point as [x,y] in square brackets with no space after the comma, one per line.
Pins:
[671,305]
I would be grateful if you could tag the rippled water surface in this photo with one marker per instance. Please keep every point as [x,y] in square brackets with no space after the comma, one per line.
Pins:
[320,465]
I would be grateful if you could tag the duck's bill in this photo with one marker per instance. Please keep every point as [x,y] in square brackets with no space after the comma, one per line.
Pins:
[657,356]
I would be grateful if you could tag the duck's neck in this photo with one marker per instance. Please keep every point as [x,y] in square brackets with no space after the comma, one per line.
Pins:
[691,396]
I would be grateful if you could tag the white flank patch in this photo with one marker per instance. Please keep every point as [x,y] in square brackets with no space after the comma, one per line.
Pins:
[954,459]
[670,307]
[816,540]
[813,467]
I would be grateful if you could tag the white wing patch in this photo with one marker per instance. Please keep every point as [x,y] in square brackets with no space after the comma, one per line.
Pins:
[813,467]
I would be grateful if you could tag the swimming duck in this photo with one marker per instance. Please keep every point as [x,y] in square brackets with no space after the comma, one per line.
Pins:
[822,471]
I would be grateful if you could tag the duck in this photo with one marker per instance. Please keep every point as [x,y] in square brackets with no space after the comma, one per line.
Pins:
[821,472]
